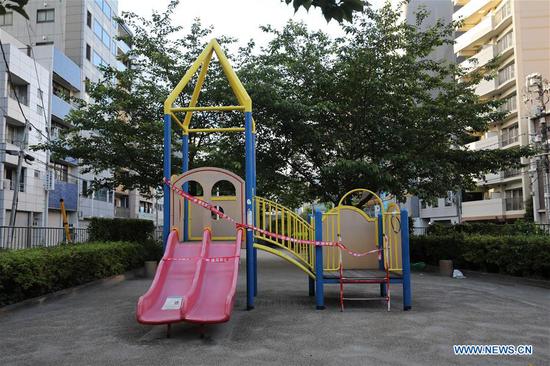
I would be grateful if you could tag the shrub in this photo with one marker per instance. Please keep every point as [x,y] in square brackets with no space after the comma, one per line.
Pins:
[518,227]
[136,230]
[29,273]
[519,255]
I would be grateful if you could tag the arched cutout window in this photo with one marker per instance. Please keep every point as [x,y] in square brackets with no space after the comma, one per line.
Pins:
[194,188]
[223,188]
[214,216]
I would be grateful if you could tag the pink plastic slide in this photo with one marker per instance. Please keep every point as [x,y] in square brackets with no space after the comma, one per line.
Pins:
[195,282]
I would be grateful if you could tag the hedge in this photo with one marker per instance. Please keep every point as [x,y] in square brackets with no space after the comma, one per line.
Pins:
[525,255]
[136,230]
[518,227]
[33,272]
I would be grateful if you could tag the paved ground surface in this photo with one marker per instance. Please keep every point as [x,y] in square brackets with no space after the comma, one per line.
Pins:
[96,326]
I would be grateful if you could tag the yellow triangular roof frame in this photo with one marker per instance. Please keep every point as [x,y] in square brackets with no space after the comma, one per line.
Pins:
[202,62]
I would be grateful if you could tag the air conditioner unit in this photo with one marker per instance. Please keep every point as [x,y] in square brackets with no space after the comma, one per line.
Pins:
[6,183]
[49,181]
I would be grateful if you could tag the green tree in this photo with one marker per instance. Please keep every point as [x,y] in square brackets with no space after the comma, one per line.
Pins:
[367,110]
[372,110]
[331,9]
[14,5]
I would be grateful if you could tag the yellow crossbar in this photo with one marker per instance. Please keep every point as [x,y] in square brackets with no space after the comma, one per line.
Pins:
[213,130]
[220,108]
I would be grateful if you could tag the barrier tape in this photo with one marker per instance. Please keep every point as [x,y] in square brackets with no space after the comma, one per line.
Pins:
[209,259]
[212,208]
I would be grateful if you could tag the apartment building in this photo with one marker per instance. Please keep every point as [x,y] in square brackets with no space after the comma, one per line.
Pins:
[72,39]
[519,32]
[27,99]
[443,210]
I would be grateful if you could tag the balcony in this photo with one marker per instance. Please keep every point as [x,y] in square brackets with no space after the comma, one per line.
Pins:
[490,143]
[123,46]
[483,210]
[66,69]
[475,37]
[66,191]
[60,108]
[13,112]
[473,11]
[486,87]
[120,66]
[122,212]
[481,58]
[146,216]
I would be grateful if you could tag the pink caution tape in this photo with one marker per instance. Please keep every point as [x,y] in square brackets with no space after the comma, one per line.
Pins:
[212,208]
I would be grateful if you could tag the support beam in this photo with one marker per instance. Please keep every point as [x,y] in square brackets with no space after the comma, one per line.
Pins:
[184,169]
[406,261]
[319,280]
[167,171]
[250,185]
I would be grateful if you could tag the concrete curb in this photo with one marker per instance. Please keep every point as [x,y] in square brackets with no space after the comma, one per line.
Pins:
[69,291]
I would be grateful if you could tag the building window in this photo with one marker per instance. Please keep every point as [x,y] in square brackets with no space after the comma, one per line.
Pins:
[88,52]
[504,12]
[98,30]
[97,60]
[85,188]
[6,19]
[505,74]
[19,91]
[101,194]
[61,172]
[505,42]
[45,15]
[106,10]
[37,173]
[61,91]
[145,207]
[510,135]
[514,199]
[15,135]
[510,104]
[10,173]
[89,19]
[45,43]
[106,39]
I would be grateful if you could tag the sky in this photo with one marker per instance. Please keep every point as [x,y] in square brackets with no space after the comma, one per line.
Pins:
[238,18]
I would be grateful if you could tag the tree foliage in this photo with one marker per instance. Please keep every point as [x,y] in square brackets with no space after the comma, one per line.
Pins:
[331,9]
[14,5]
[368,110]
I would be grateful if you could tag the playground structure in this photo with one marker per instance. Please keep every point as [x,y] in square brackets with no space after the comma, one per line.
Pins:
[271,227]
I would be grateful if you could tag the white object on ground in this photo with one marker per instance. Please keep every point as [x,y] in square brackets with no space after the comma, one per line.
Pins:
[458,274]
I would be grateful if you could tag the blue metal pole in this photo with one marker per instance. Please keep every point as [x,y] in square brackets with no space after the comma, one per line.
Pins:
[381,246]
[250,183]
[167,171]
[254,250]
[319,280]
[406,261]
[185,168]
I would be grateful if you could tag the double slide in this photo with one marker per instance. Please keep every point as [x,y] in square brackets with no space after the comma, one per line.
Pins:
[195,282]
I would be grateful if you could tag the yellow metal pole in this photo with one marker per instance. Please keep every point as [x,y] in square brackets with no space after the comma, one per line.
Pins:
[65,221]
[198,87]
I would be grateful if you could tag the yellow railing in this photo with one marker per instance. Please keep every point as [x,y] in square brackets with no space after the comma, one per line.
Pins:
[331,255]
[279,219]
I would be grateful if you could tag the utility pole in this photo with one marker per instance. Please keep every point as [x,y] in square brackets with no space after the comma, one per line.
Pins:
[537,90]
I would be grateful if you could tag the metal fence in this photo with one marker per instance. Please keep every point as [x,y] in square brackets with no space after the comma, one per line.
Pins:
[22,237]
[541,229]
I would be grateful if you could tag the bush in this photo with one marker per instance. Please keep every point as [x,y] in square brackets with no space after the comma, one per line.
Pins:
[518,227]
[153,250]
[525,255]
[103,229]
[29,273]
